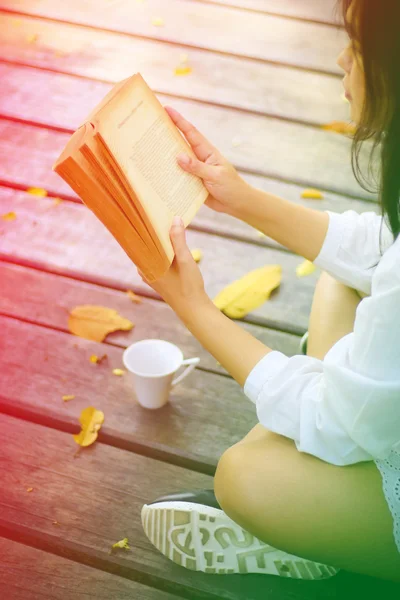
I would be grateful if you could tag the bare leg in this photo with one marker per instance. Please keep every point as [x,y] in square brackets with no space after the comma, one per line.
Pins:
[332,314]
[299,503]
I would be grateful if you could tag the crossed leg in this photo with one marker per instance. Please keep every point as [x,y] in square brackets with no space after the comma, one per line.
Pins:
[301,504]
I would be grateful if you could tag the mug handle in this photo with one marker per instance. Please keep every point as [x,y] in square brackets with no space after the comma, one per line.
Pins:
[192,362]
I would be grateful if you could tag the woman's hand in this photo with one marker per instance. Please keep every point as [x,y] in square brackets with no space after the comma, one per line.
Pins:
[228,191]
[182,286]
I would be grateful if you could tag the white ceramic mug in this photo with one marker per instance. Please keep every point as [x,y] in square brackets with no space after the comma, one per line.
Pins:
[153,364]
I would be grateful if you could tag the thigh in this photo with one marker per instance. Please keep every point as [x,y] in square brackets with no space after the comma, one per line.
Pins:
[310,508]
[332,314]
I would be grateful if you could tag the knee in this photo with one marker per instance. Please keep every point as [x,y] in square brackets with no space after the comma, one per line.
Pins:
[238,491]
[229,477]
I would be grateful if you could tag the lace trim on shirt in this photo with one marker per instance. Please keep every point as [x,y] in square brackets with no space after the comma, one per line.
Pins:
[390,470]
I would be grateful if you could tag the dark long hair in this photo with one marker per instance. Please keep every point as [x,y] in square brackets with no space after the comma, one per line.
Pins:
[375,26]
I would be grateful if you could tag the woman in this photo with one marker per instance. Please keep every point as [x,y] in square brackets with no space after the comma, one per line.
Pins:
[315,486]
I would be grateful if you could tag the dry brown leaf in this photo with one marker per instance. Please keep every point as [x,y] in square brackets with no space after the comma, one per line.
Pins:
[91,420]
[96,322]
[30,489]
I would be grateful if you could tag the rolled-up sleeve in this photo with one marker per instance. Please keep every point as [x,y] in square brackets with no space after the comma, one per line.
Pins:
[352,247]
[345,408]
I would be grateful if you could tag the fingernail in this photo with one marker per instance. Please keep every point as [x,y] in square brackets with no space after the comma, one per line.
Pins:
[184,159]
[177,221]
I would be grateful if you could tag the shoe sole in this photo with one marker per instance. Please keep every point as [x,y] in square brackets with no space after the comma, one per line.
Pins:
[204,538]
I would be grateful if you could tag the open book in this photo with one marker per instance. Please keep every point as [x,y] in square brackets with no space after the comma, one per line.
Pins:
[122,164]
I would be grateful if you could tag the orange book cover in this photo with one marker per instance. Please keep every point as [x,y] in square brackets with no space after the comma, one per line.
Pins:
[122,163]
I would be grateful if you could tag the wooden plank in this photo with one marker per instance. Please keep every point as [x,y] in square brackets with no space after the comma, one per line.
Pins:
[208,26]
[44,299]
[70,240]
[97,499]
[29,574]
[37,149]
[291,152]
[266,89]
[318,11]
[206,413]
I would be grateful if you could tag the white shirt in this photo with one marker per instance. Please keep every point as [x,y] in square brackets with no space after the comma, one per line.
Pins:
[345,408]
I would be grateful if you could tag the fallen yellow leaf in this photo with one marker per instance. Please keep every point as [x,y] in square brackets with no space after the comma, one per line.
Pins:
[32,39]
[57,201]
[249,292]
[312,193]
[29,489]
[340,127]
[91,421]
[134,297]
[182,70]
[122,544]
[236,141]
[68,398]
[157,21]
[197,254]
[11,216]
[305,268]
[118,371]
[183,67]
[96,359]
[37,192]
[96,322]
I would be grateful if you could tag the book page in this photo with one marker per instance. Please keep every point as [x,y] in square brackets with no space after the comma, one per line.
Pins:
[110,94]
[154,154]
[145,143]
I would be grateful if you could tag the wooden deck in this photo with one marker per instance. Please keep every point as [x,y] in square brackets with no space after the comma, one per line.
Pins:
[263,71]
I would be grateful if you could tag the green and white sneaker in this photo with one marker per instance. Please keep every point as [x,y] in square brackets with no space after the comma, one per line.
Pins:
[192,530]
